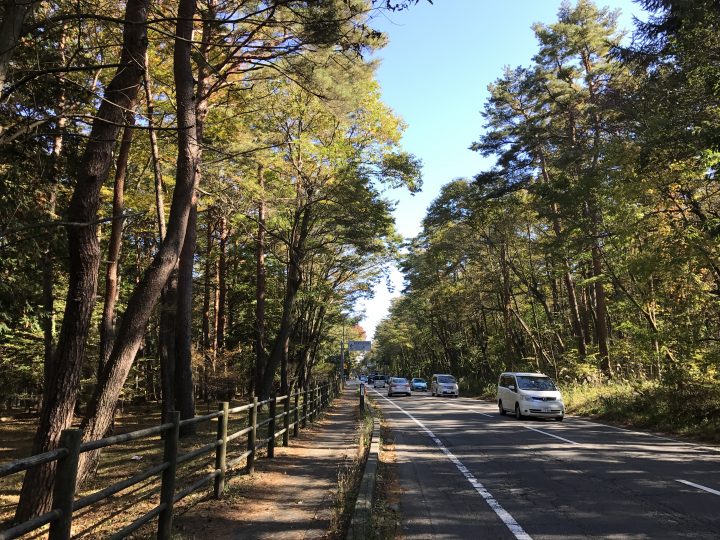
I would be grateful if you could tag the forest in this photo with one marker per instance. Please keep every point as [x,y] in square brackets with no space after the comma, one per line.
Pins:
[589,251]
[193,195]
[192,199]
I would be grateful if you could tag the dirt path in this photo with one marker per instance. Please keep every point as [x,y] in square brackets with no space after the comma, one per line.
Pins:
[291,497]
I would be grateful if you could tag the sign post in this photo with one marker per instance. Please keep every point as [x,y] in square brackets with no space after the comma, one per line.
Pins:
[362,396]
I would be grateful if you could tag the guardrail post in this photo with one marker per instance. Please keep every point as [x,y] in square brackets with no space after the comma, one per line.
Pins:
[167,488]
[296,414]
[305,407]
[311,404]
[221,450]
[252,436]
[272,406]
[286,420]
[65,479]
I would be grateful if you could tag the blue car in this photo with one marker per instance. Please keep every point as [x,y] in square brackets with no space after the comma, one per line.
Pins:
[418,384]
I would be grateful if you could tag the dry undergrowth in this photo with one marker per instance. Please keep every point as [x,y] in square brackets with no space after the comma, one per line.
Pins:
[386,502]
[349,478]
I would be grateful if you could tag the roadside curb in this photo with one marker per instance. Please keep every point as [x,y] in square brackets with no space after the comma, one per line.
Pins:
[361,523]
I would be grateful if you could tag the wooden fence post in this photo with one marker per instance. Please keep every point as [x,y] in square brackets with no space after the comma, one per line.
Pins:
[167,488]
[305,408]
[65,479]
[296,414]
[311,405]
[252,436]
[221,450]
[271,426]
[316,402]
[286,420]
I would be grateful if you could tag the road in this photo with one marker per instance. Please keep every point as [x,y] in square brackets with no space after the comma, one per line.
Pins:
[467,472]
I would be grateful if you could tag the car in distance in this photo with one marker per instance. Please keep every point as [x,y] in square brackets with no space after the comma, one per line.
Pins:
[363,378]
[398,385]
[529,394]
[379,381]
[443,384]
[418,384]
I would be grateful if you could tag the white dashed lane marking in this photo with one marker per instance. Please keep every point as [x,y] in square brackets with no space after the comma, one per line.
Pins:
[704,488]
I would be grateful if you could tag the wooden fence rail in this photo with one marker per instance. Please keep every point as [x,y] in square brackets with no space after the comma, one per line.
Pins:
[306,404]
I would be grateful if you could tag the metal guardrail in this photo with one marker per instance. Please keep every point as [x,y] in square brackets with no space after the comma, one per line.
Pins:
[293,415]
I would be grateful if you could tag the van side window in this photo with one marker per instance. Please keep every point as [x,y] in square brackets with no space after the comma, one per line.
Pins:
[506,381]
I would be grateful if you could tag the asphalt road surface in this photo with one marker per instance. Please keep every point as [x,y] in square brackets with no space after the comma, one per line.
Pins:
[467,472]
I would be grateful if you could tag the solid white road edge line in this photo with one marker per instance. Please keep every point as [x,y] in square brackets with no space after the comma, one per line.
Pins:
[551,435]
[704,488]
[503,514]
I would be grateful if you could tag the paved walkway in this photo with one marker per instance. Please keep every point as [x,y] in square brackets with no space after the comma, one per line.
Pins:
[291,497]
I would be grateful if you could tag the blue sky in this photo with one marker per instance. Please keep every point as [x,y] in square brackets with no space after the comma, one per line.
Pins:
[434,74]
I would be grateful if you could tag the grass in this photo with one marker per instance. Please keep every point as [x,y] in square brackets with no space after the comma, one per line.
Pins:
[385,507]
[350,476]
[692,410]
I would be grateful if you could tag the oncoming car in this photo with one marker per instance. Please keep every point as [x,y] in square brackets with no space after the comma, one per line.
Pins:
[444,385]
[418,384]
[398,385]
[379,381]
[529,394]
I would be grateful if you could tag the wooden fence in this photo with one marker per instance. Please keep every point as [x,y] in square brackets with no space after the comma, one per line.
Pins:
[297,409]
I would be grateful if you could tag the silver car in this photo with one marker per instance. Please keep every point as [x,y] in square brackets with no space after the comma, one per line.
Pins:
[398,385]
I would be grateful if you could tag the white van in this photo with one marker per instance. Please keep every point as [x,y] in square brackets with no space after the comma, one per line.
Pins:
[443,384]
[529,394]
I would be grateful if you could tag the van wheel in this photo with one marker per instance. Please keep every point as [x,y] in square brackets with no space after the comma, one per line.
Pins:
[559,418]
[518,414]
[501,409]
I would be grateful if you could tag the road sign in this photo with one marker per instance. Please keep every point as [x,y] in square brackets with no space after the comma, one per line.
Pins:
[359,346]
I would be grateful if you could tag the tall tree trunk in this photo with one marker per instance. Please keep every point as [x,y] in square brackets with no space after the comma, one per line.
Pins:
[12,18]
[601,316]
[146,294]
[506,308]
[184,397]
[207,342]
[292,286]
[260,276]
[84,259]
[48,276]
[222,284]
[166,343]
[107,324]
[155,152]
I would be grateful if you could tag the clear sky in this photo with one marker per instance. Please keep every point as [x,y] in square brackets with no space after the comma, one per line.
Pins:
[434,74]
